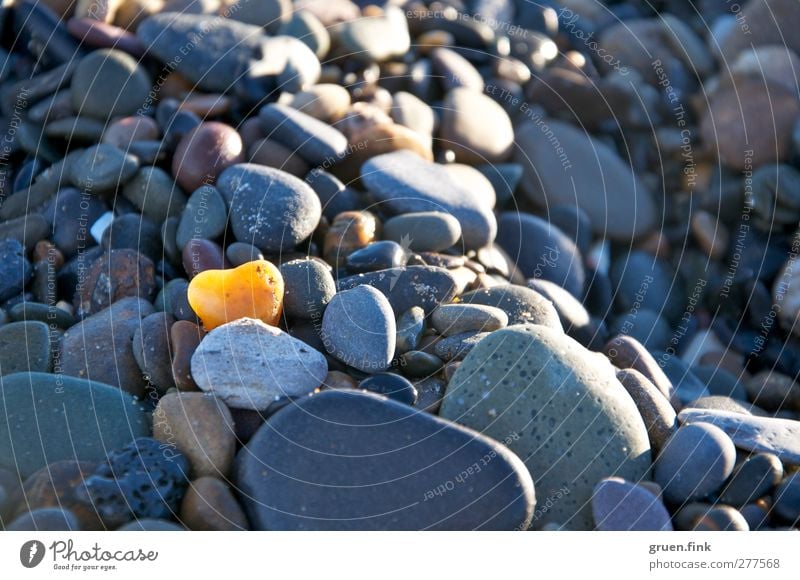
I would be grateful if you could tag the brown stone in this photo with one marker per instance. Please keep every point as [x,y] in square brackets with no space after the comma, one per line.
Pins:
[204,153]
[350,231]
[185,336]
[658,415]
[210,506]
[116,274]
[201,427]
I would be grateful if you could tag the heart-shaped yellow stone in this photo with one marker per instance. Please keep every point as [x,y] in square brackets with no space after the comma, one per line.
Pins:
[252,290]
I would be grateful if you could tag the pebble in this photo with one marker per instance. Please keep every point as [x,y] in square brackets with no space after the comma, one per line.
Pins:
[780,437]
[431,231]
[377,256]
[114,275]
[694,463]
[410,327]
[773,391]
[102,35]
[204,153]
[382,465]
[392,386]
[574,318]
[720,403]
[253,290]
[451,319]
[53,418]
[658,415]
[587,173]
[239,253]
[334,196]
[151,349]
[273,154]
[27,230]
[454,71]
[132,231]
[102,169]
[752,479]
[277,221]
[50,315]
[25,346]
[204,217]
[200,255]
[423,286]
[249,364]
[475,127]
[401,183]
[268,14]
[787,498]
[185,337]
[521,305]
[307,27]
[225,54]
[45,520]
[326,102]
[69,207]
[15,269]
[316,142]
[210,506]
[150,525]
[626,352]
[622,506]
[201,428]
[686,386]
[419,365]
[358,328]
[155,194]
[109,83]
[541,250]
[376,38]
[309,287]
[140,480]
[722,519]
[589,428]
[767,22]
[458,346]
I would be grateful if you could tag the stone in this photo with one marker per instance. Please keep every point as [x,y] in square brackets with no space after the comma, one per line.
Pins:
[780,437]
[694,463]
[25,346]
[410,327]
[185,337]
[406,287]
[412,112]
[307,27]
[720,403]
[249,364]
[150,525]
[45,520]
[376,38]
[325,101]
[204,217]
[201,428]
[316,142]
[475,127]
[54,418]
[522,305]
[773,391]
[419,365]
[752,479]
[127,130]
[109,83]
[541,250]
[451,319]
[151,349]
[69,207]
[587,173]
[358,328]
[200,256]
[308,288]
[204,153]
[100,348]
[269,208]
[687,387]
[269,14]
[113,276]
[239,253]
[574,318]
[431,231]
[102,169]
[622,506]
[334,196]
[458,346]
[272,154]
[722,519]
[381,255]
[401,183]
[556,405]
[658,415]
[50,315]
[132,231]
[153,191]
[350,231]
[787,499]
[392,386]
[15,269]
[454,71]
[143,479]
[767,23]
[345,460]
[210,506]
[626,352]
[252,290]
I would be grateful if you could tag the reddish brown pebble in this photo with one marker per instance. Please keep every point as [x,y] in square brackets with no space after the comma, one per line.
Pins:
[184,336]
[101,35]
[210,506]
[116,274]
[200,255]
[46,251]
[123,132]
[272,154]
[204,153]
[350,231]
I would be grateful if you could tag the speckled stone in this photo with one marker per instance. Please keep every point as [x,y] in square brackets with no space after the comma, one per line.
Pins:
[555,404]
[409,286]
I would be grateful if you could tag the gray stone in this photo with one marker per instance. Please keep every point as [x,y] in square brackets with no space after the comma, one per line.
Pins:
[376,38]
[102,168]
[155,193]
[622,506]
[450,319]
[475,127]
[409,286]
[204,217]
[316,142]
[109,83]
[25,346]
[522,305]
[308,288]
[658,415]
[431,231]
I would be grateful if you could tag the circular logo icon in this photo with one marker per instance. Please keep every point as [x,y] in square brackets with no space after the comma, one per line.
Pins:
[31,553]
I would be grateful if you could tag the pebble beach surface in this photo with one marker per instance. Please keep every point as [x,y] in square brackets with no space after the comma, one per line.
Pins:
[458,265]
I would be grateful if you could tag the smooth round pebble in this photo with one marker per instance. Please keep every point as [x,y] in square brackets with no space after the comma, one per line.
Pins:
[431,231]
[451,319]
[308,288]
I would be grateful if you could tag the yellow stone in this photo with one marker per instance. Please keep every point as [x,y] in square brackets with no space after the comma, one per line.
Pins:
[253,290]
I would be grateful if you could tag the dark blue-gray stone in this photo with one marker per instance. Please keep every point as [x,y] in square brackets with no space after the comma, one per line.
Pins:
[269,208]
[15,269]
[316,142]
[308,287]
[204,217]
[25,346]
[347,460]
[402,182]
[55,417]
[521,304]
[409,286]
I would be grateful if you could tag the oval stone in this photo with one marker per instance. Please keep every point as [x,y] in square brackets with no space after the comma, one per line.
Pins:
[346,460]
[559,407]
[622,506]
